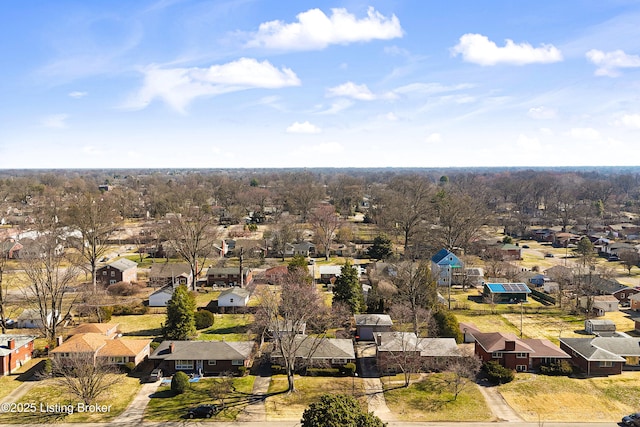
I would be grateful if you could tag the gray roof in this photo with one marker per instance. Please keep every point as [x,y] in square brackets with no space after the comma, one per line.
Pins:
[164,290]
[171,269]
[203,350]
[123,264]
[324,348]
[408,341]
[373,320]
[226,270]
[240,292]
[586,348]
[19,339]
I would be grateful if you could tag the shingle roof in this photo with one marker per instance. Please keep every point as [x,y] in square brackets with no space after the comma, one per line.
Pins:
[203,350]
[169,269]
[98,328]
[20,340]
[240,292]
[585,348]
[325,348]
[123,264]
[495,341]
[373,320]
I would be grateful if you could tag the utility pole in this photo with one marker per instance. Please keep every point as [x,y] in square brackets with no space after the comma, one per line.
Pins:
[241,269]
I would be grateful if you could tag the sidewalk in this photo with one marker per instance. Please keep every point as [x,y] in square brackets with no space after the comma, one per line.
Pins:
[134,413]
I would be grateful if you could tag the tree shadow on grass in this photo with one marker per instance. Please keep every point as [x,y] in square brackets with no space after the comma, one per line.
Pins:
[163,394]
[144,333]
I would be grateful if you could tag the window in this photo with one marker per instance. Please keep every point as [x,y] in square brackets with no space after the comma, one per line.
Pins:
[104,272]
[119,359]
[237,362]
[211,363]
[184,364]
[113,274]
[496,355]
[338,361]
[231,300]
[605,364]
[521,355]
[521,368]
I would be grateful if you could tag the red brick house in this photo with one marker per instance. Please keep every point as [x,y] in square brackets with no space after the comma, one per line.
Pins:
[15,350]
[515,353]
[603,355]
[122,270]
[228,276]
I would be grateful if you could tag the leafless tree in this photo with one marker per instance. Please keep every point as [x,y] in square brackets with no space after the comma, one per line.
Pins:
[325,222]
[460,373]
[192,234]
[84,376]
[297,307]
[5,298]
[401,354]
[222,387]
[96,219]
[416,290]
[459,219]
[629,258]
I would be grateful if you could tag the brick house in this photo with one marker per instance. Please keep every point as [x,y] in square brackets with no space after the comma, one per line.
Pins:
[603,355]
[228,276]
[15,350]
[163,274]
[122,270]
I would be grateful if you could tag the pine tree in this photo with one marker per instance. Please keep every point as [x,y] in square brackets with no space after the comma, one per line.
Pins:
[347,289]
[180,324]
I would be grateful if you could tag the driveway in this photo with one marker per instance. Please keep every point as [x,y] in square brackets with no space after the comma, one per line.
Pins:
[500,408]
[133,415]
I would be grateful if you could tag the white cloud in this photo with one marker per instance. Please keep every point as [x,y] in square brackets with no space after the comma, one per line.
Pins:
[179,86]
[542,113]
[77,94]
[336,107]
[55,121]
[430,88]
[314,30]
[478,49]
[434,137]
[304,127]
[609,62]
[526,143]
[630,121]
[584,133]
[359,92]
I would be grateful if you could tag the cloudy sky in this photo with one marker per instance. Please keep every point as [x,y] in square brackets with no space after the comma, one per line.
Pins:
[271,83]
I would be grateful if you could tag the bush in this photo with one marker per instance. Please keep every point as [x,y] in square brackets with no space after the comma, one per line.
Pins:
[498,374]
[47,368]
[349,369]
[322,372]
[106,313]
[129,367]
[124,310]
[124,289]
[204,319]
[179,382]
[557,369]
[154,345]
[242,370]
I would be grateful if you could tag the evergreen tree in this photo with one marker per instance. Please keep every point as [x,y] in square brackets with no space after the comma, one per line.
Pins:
[448,326]
[180,324]
[338,410]
[381,248]
[347,289]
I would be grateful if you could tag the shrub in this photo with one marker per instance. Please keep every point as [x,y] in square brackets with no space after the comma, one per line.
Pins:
[557,369]
[105,313]
[322,372]
[124,310]
[154,345]
[242,370]
[124,289]
[47,368]
[348,369]
[179,382]
[204,319]
[498,374]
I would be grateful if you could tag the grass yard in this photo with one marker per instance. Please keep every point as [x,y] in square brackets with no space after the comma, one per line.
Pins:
[48,392]
[543,398]
[428,400]
[8,384]
[229,327]
[308,390]
[165,406]
[143,325]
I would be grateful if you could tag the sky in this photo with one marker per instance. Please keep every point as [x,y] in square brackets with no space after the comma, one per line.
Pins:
[272,83]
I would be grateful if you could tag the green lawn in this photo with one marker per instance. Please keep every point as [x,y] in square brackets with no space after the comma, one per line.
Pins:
[49,393]
[229,327]
[427,400]
[143,325]
[165,406]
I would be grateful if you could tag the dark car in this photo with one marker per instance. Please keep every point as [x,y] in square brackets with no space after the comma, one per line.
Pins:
[631,420]
[202,411]
[525,246]
[548,255]
[155,375]
[613,258]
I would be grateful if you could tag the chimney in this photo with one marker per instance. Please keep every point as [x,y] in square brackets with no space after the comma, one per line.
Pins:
[12,344]
[172,347]
[58,341]
[378,339]
[510,346]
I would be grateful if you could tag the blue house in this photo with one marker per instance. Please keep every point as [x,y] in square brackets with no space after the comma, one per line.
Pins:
[539,280]
[443,266]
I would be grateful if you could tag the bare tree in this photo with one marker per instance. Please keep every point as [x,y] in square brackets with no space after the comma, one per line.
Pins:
[459,219]
[460,373]
[325,222]
[50,274]
[298,307]
[84,376]
[96,219]
[222,387]
[400,352]
[192,235]
[629,258]
[5,313]
[416,290]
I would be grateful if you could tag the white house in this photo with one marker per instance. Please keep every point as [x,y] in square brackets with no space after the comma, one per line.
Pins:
[233,297]
[161,297]
[30,319]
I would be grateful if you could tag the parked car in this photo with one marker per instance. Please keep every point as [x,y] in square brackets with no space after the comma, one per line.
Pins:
[613,258]
[202,411]
[548,255]
[631,420]
[525,246]
[155,375]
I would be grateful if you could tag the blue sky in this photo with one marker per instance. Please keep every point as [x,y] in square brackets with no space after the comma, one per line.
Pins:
[271,83]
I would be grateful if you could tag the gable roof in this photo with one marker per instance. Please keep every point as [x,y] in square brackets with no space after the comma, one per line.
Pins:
[325,348]
[20,340]
[235,291]
[496,341]
[171,269]
[373,320]
[445,257]
[508,288]
[408,341]
[227,271]
[164,290]
[98,328]
[585,348]
[82,343]
[203,350]
[122,264]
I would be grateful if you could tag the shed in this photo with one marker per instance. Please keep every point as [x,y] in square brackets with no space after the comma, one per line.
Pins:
[368,324]
[161,297]
[233,297]
[600,327]
[506,292]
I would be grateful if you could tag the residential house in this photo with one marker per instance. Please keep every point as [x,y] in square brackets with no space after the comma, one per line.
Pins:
[551,287]
[472,276]
[599,304]
[306,249]
[624,294]
[558,273]
[234,297]
[506,292]
[319,352]
[10,249]
[369,324]
[395,348]
[515,353]
[328,273]
[122,270]
[539,280]
[30,319]
[15,351]
[636,324]
[442,265]
[102,341]
[468,331]
[161,297]
[511,252]
[203,357]
[274,275]
[229,276]
[634,300]
[603,355]
[600,327]
[162,274]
